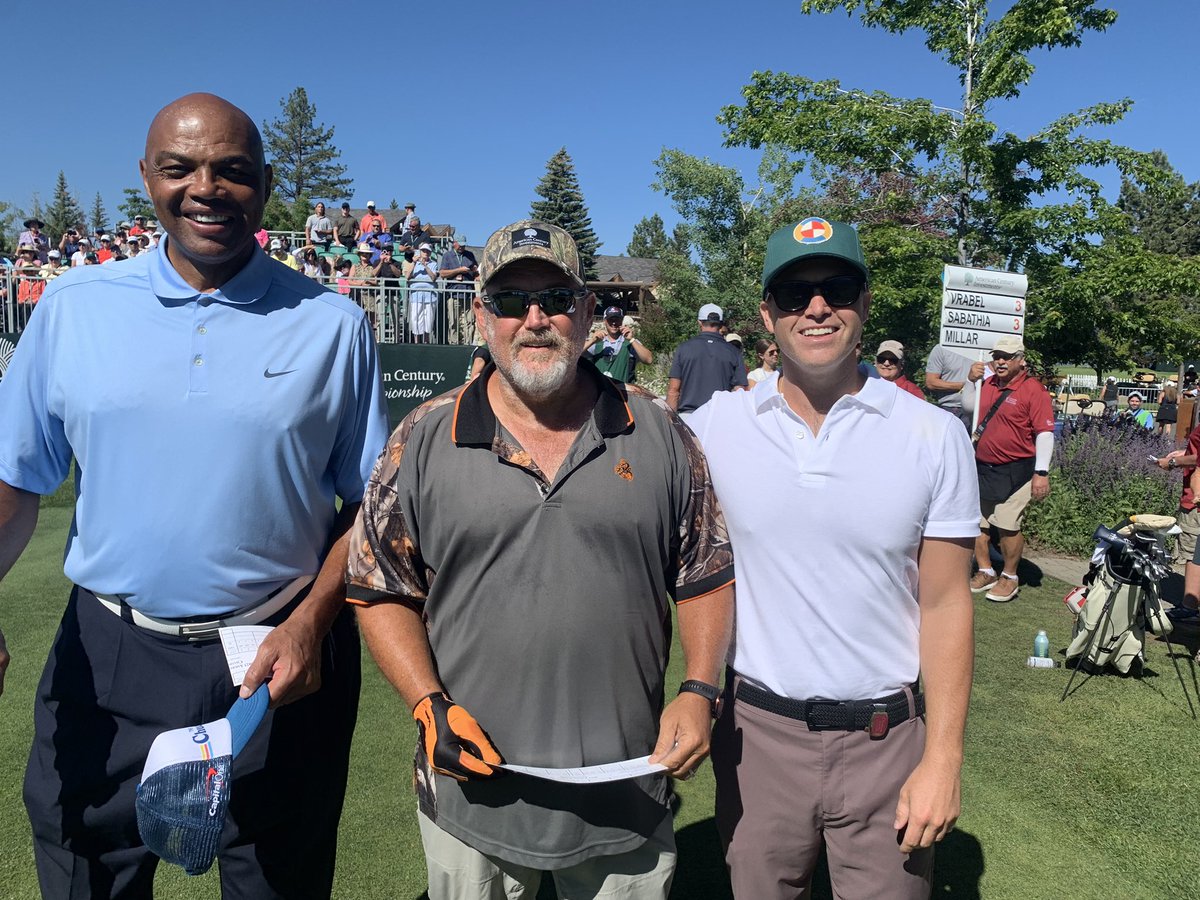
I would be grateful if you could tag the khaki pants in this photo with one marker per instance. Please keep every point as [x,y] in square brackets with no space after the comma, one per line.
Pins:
[458,871]
[783,790]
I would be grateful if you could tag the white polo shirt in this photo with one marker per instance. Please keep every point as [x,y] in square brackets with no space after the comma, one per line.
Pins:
[826,531]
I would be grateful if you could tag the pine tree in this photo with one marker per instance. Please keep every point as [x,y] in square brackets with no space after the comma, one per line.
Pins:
[649,239]
[64,210]
[98,217]
[1167,217]
[302,153]
[562,205]
[135,203]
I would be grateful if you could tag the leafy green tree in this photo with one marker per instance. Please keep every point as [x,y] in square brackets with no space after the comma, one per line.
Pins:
[995,183]
[279,215]
[302,152]
[98,217]
[64,210]
[649,240]
[8,219]
[1165,216]
[562,205]
[136,203]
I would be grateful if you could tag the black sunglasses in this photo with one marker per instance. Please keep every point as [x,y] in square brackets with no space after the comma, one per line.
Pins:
[840,291]
[887,361]
[1002,357]
[553,301]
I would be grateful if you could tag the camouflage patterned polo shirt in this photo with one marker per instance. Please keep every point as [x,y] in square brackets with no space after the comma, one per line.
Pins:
[546,600]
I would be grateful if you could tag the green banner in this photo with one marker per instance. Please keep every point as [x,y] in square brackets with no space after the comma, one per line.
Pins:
[413,373]
[8,343]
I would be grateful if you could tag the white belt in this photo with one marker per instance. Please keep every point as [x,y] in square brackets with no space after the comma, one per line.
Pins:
[201,631]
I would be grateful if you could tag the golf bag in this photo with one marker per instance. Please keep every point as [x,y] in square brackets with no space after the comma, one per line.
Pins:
[1122,600]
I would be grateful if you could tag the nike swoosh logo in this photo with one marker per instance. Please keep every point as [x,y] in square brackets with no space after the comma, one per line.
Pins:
[267,373]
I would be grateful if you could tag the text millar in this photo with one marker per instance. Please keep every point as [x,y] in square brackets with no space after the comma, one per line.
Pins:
[969,340]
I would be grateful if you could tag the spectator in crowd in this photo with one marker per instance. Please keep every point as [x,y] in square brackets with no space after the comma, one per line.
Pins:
[30,282]
[372,218]
[825,736]
[1109,395]
[414,236]
[479,360]
[627,473]
[1014,442]
[346,228]
[402,224]
[458,268]
[614,350]
[734,340]
[422,296]
[387,266]
[703,365]
[139,226]
[54,266]
[406,261]
[68,244]
[362,280]
[376,238]
[79,257]
[313,265]
[1190,382]
[341,270]
[945,378]
[1187,558]
[105,252]
[889,363]
[768,361]
[318,228]
[96,235]
[1168,410]
[34,237]
[1137,413]
[280,253]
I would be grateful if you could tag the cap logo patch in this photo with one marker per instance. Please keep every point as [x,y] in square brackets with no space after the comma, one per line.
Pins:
[531,237]
[813,230]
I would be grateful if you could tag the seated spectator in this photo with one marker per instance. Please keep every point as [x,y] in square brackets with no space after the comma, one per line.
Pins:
[318,228]
[377,239]
[370,220]
[79,257]
[105,253]
[406,265]
[313,265]
[1138,414]
[68,244]
[387,268]
[30,282]
[138,227]
[422,296]
[889,363]
[54,266]
[768,361]
[342,276]
[346,228]
[33,236]
[280,253]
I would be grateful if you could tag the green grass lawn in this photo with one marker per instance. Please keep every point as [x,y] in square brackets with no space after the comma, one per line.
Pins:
[1093,798]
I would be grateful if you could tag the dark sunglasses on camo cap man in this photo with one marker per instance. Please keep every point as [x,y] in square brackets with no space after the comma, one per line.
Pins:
[511,304]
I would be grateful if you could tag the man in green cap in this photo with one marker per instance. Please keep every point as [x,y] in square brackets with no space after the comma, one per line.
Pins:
[826,735]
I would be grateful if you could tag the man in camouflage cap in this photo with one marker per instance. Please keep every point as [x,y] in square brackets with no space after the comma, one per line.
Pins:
[519,615]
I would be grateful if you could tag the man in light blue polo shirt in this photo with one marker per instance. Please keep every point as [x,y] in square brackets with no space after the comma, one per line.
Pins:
[217,404]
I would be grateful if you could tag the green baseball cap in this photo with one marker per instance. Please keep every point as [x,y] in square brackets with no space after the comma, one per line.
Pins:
[812,237]
[529,239]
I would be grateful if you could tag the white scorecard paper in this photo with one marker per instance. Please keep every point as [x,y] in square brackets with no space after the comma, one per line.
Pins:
[615,771]
[241,643]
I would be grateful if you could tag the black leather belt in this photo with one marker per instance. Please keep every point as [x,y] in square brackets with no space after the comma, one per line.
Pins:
[873,716]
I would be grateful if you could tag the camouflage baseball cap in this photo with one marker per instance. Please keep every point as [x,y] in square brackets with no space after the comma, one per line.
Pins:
[814,237]
[528,239]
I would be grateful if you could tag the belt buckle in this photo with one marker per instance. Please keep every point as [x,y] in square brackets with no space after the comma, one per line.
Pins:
[808,704]
[199,631]
[879,724]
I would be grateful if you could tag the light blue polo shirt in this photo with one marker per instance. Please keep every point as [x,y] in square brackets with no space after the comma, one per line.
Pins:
[211,431]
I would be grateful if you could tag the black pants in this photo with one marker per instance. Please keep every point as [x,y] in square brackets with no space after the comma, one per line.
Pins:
[109,688]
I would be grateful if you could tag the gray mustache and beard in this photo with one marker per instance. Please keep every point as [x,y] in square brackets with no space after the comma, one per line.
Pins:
[545,378]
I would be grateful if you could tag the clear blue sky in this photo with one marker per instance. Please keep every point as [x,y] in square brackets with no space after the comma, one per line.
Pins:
[458,110]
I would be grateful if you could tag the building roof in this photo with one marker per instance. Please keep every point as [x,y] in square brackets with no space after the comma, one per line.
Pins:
[629,268]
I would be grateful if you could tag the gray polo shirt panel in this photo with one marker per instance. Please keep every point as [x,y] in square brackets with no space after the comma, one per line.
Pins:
[706,364]
[546,602]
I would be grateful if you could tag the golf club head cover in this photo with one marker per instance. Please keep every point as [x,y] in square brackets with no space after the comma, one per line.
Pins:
[453,741]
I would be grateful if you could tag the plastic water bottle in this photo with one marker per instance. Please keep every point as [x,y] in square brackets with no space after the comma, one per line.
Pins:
[1041,645]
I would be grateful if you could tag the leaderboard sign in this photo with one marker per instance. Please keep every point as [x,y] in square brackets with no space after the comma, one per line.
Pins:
[979,306]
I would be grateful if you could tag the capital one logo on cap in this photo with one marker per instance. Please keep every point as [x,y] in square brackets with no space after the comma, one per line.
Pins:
[813,230]
[531,237]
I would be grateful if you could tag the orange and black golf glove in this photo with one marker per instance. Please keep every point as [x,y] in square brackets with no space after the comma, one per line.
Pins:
[453,741]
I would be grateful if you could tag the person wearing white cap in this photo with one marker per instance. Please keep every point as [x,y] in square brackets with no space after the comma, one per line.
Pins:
[422,296]
[1013,443]
[280,253]
[79,257]
[704,365]
[367,223]
[53,267]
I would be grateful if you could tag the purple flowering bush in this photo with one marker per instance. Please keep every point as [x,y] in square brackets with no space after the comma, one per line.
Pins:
[1100,475]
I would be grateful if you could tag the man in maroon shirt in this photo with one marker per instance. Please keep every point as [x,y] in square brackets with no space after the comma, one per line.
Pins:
[1189,525]
[1013,443]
